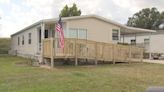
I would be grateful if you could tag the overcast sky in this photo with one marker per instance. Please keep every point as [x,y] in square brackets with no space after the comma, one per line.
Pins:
[17,14]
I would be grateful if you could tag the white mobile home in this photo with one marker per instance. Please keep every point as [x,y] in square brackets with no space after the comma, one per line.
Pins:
[152,42]
[29,41]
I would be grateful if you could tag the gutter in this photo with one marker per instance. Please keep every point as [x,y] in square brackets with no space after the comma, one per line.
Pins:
[28,27]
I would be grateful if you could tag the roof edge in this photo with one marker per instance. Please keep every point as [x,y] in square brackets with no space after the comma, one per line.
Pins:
[141,29]
[28,27]
[84,16]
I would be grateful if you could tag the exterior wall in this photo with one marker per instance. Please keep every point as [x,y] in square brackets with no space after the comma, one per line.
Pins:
[139,37]
[26,50]
[97,30]
[156,41]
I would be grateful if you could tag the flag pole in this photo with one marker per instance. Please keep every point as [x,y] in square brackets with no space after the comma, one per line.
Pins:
[60,33]
[54,39]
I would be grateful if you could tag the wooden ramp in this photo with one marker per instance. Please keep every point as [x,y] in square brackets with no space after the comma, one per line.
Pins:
[91,50]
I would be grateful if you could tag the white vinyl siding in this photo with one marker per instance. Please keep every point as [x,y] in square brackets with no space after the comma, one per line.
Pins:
[26,50]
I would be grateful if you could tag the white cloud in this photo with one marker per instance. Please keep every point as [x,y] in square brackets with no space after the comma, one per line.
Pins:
[20,18]
[45,8]
[123,3]
[29,11]
[4,1]
[1,14]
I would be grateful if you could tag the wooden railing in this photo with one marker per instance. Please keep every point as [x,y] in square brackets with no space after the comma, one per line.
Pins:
[86,49]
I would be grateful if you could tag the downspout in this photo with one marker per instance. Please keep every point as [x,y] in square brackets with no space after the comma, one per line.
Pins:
[150,53]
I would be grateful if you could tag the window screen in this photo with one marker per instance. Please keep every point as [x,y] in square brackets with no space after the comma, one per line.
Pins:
[115,34]
[82,34]
[29,38]
[23,40]
[73,33]
[146,41]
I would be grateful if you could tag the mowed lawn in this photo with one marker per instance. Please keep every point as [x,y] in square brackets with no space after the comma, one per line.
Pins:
[136,77]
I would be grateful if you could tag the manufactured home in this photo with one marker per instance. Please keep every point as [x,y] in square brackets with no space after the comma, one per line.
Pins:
[152,42]
[89,37]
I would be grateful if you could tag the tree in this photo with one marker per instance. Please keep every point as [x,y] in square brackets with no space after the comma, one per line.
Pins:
[70,11]
[65,12]
[161,26]
[146,18]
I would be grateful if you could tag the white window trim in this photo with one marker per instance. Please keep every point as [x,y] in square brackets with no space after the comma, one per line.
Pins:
[118,35]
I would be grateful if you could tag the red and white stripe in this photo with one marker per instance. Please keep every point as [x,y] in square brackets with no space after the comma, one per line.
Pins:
[59,29]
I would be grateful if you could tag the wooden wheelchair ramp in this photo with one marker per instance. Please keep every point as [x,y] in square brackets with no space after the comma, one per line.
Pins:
[91,50]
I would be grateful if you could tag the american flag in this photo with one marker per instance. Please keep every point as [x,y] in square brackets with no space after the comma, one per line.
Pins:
[59,29]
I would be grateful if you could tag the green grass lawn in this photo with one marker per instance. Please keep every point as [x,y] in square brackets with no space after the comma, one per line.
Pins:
[17,77]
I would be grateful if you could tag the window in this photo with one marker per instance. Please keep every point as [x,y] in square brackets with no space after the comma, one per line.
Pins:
[73,33]
[146,41]
[115,34]
[82,34]
[133,42]
[18,40]
[78,33]
[23,40]
[29,38]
